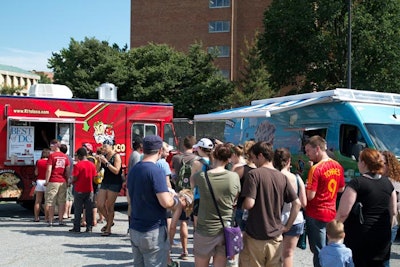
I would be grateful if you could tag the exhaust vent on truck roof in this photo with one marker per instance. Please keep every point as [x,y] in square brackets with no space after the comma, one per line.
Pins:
[50,90]
[107,91]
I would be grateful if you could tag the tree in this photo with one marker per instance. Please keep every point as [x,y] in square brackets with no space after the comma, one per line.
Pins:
[304,44]
[87,64]
[9,90]
[158,73]
[151,73]
[254,81]
[44,78]
[204,88]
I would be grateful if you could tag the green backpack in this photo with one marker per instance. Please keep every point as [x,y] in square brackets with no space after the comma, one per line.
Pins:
[183,178]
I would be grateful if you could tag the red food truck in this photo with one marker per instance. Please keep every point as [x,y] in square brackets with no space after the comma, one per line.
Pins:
[27,124]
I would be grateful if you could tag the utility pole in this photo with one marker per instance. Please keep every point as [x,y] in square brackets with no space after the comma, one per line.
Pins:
[349,46]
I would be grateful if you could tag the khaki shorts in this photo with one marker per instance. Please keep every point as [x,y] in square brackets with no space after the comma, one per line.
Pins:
[208,246]
[56,193]
[261,252]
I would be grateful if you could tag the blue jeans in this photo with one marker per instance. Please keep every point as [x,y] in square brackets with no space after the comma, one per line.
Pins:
[150,248]
[239,219]
[316,233]
[394,234]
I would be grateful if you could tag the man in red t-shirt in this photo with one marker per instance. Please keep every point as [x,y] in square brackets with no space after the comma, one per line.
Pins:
[82,177]
[325,180]
[57,174]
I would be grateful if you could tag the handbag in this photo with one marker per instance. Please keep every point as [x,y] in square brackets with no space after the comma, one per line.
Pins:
[302,242]
[233,235]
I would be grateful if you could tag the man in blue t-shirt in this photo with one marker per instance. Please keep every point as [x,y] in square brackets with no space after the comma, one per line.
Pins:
[150,198]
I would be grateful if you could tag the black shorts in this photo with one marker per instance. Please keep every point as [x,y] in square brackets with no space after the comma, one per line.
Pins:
[169,214]
[183,216]
[111,187]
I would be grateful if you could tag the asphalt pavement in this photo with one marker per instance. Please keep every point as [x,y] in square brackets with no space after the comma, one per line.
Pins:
[27,243]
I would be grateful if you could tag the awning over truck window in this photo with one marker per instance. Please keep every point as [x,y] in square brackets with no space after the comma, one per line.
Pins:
[37,119]
[261,110]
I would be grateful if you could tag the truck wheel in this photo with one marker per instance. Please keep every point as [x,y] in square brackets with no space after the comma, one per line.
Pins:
[28,204]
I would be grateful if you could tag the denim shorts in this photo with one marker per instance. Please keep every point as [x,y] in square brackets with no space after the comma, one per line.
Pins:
[111,187]
[295,230]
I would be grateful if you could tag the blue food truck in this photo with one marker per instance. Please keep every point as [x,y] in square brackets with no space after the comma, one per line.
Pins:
[348,119]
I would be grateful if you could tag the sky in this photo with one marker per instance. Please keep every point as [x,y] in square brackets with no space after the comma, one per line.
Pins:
[31,30]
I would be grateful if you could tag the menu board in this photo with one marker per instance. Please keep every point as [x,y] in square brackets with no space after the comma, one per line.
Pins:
[21,141]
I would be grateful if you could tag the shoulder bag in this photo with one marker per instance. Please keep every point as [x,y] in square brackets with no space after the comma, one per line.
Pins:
[233,235]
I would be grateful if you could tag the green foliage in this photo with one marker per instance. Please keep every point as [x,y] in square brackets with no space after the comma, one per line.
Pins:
[44,78]
[151,73]
[85,65]
[305,44]
[254,81]
[9,90]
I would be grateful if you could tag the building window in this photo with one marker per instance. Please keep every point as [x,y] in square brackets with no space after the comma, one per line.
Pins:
[220,51]
[219,26]
[225,73]
[219,3]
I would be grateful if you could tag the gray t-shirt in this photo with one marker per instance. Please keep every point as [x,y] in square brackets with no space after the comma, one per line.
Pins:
[134,159]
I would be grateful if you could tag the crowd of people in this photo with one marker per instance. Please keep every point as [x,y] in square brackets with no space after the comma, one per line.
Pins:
[351,224]
[91,181]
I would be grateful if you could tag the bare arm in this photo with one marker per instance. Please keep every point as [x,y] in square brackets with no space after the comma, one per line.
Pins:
[248,203]
[346,203]
[167,201]
[196,167]
[36,170]
[48,173]
[393,206]
[302,194]
[296,205]
[67,173]
[310,194]
[168,181]
[117,164]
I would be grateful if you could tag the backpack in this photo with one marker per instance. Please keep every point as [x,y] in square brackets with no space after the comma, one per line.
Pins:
[183,178]
[100,175]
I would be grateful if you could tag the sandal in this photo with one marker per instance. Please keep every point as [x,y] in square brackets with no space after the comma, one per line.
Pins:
[106,234]
[104,228]
[183,256]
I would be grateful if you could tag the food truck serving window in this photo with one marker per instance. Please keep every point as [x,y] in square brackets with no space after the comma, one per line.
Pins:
[27,137]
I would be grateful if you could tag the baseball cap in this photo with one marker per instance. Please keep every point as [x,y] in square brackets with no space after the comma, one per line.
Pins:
[54,142]
[204,143]
[88,146]
[152,142]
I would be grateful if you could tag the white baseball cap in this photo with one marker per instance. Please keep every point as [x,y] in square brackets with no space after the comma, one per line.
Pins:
[204,143]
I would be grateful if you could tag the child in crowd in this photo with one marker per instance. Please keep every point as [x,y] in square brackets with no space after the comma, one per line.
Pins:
[335,254]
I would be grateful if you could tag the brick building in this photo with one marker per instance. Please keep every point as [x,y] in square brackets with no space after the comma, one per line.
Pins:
[221,24]
[17,78]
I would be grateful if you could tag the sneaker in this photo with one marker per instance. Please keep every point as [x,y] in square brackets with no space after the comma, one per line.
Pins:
[183,256]
[62,224]
[73,230]
[50,225]
[173,264]
[89,229]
